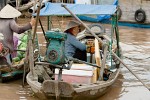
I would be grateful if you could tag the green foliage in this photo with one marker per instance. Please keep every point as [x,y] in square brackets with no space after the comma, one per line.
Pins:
[16,59]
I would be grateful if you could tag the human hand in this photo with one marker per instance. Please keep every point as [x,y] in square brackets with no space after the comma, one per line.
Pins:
[32,22]
[90,49]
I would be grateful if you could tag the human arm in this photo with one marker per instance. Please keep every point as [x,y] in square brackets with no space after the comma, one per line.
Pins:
[20,29]
[76,43]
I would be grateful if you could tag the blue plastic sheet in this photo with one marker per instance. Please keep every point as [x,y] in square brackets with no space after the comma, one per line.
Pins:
[78,9]
[99,17]
[105,17]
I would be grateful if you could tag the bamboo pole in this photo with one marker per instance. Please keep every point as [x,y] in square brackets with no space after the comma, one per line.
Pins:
[37,19]
[30,47]
[131,71]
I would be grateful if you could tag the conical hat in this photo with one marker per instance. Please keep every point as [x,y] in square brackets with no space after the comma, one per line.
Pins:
[72,24]
[9,12]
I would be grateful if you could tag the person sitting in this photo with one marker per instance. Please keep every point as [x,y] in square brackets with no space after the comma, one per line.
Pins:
[9,26]
[73,47]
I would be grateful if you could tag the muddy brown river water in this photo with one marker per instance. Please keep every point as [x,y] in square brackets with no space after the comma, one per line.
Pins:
[135,43]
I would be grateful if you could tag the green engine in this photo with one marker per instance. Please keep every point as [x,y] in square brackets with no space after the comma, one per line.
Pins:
[55,53]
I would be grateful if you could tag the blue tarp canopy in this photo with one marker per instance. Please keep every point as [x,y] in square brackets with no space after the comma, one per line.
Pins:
[78,9]
[99,18]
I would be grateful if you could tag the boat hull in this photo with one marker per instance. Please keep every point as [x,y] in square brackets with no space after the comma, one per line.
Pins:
[53,89]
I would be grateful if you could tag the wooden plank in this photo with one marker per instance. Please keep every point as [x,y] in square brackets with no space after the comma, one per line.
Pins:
[98,61]
[57,87]
[43,72]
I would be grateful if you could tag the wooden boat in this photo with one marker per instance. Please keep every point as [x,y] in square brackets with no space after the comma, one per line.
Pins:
[70,91]
[71,79]
[11,73]
[19,66]
[7,71]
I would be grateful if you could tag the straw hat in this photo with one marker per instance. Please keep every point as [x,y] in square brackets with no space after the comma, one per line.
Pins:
[72,24]
[9,12]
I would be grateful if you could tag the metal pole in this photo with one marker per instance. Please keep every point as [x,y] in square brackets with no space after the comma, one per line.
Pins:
[80,61]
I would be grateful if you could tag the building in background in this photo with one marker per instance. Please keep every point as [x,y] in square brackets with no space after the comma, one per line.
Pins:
[83,1]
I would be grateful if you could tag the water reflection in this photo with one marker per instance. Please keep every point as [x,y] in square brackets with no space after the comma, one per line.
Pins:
[14,91]
[25,92]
